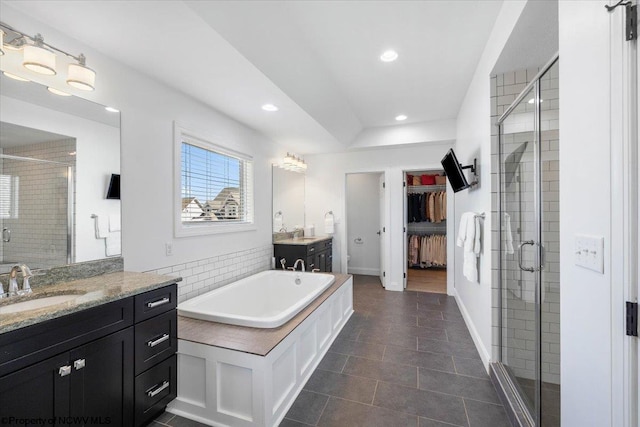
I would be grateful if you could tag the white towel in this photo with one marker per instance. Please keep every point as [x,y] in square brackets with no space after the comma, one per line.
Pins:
[277,223]
[114,222]
[113,244]
[102,227]
[508,237]
[469,239]
[329,225]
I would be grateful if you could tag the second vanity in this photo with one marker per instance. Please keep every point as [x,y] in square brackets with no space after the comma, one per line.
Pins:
[107,356]
[316,252]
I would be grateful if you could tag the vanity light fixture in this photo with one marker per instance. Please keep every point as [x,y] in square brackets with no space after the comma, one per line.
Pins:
[58,92]
[112,110]
[39,57]
[389,56]
[401,117]
[270,107]
[293,163]
[14,77]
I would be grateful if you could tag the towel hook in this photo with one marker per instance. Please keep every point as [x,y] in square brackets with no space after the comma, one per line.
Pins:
[328,213]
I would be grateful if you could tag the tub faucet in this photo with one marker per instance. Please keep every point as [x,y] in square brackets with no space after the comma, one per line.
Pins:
[299,260]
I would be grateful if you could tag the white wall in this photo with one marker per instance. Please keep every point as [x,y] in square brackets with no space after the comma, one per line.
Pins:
[585,171]
[325,191]
[474,141]
[148,112]
[363,222]
[288,197]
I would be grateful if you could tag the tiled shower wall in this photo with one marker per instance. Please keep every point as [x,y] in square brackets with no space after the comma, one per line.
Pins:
[207,274]
[517,305]
[36,213]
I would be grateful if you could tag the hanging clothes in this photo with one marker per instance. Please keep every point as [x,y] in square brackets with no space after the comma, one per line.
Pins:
[427,251]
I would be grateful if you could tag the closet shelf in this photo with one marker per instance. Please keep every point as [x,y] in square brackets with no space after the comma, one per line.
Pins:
[426,188]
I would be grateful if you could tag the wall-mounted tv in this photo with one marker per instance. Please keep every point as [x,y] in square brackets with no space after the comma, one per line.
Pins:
[453,170]
[114,187]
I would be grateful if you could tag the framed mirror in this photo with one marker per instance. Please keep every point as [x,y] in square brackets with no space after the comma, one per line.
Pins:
[288,200]
[59,156]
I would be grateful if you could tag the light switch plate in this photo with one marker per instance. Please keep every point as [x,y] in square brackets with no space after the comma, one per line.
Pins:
[589,252]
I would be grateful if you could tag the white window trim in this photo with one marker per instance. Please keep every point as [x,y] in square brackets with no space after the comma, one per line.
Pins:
[180,135]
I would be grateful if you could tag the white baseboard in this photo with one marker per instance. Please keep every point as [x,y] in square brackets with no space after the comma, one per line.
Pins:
[363,270]
[482,350]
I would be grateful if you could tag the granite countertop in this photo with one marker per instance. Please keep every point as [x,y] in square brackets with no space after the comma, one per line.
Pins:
[302,240]
[258,341]
[90,292]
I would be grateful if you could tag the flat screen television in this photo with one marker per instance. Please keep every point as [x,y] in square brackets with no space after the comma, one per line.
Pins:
[453,170]
[114,187]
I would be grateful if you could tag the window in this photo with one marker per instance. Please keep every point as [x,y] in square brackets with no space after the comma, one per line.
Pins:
[215,187]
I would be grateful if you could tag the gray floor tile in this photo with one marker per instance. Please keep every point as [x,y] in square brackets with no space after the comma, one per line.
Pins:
[483,414]
[404,319]
[383,371]
[349,387]
[449,308]
[459,334]
[292,423]
[459,385]
[426,422]
[429,333]
[399,340]
[179,421]
[462,349]
[343,413]
[164,417]
[403,356]
[471,367]
[440,324]
[307,407]
[333,362]
[453,317]
[358,348]
[429,314]
[435,406]
[157,424]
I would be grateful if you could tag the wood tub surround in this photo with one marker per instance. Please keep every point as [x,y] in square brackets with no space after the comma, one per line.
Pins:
[243,376]
[108,355]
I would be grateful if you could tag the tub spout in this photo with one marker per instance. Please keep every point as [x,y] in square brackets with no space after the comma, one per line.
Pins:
[301,261]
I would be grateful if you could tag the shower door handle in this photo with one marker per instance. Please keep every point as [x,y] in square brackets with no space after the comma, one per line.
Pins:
[520,246]
[6,235]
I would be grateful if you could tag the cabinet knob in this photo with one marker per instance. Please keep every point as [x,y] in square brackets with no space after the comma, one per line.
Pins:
[64,370]
[79,364]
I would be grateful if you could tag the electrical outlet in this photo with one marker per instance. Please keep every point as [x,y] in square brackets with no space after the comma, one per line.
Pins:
[168,248]
[589,252]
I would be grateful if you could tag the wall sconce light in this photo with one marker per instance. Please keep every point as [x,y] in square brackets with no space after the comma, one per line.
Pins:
[293,163]
[39,57]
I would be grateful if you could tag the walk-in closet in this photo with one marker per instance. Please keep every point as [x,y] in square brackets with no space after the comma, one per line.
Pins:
[426,231]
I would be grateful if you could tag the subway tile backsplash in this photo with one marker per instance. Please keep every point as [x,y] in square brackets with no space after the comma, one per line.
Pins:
[211,273]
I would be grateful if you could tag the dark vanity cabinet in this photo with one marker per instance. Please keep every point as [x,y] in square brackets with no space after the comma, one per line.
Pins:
[316,254]
[83,368]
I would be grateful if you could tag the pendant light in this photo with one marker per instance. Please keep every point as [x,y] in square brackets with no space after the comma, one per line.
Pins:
[38,58]
[80,76]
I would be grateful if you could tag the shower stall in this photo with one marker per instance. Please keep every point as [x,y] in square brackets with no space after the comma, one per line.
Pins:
[529,266]
[36,212]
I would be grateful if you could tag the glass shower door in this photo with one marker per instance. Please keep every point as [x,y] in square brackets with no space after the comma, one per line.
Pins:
[518,254]
[530,246]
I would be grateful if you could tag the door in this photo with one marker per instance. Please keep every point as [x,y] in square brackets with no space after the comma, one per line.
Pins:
[382,230]
[530,248]
[102,380]
[38,391]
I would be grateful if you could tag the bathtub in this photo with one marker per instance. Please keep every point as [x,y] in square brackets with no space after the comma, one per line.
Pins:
[265,300]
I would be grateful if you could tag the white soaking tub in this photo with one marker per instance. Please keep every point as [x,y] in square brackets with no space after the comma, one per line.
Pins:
[265,300]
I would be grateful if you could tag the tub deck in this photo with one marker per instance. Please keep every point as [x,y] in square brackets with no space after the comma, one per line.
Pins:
[258,341]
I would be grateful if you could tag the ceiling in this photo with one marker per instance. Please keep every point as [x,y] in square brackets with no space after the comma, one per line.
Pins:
[317,61]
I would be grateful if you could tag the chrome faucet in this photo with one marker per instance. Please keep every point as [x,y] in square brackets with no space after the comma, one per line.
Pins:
[295,265]
[13,280]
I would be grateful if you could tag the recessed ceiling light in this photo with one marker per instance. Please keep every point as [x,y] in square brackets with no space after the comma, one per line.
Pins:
[112,110]
[401,117]
[389,56]
[14,77]
[58,92]
[269,107]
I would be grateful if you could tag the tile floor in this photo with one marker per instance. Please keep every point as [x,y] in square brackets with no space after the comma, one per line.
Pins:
[403,359]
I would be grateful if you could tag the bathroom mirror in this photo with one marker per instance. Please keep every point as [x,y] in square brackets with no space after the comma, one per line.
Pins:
[288,200]
[57,156]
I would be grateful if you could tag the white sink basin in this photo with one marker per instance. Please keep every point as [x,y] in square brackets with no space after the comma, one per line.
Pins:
[34,304]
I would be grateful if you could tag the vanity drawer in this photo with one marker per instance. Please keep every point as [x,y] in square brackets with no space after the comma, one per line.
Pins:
[154,389]
[155,302]
[155,340]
